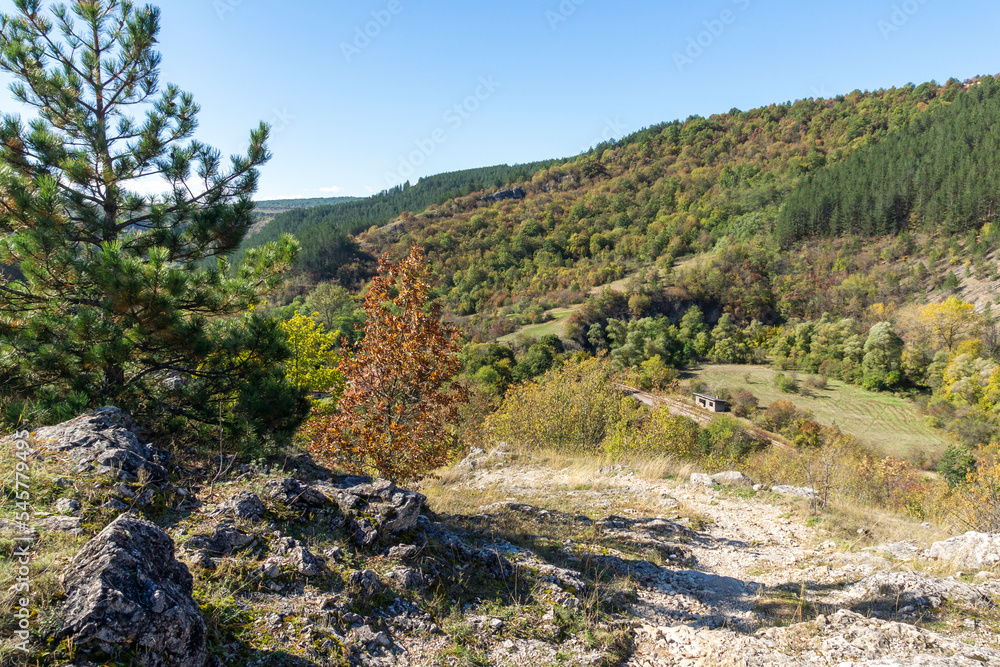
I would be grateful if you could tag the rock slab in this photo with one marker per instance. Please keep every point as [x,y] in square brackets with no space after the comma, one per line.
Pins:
[972,550]
[105,440]
[125,589]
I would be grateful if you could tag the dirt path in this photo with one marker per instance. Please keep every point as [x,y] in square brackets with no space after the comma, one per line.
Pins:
[753,561]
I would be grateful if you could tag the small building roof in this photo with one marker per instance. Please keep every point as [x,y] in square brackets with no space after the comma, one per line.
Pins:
[711,398]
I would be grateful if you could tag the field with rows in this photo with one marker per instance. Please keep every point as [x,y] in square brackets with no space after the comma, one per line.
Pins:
[890,423]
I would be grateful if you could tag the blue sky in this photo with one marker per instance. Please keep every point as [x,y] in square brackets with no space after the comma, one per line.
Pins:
[448,85]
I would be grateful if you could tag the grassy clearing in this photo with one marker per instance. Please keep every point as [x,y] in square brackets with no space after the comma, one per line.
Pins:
[557,326]
[891,424]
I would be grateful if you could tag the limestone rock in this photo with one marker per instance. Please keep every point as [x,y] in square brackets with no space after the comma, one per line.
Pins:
[61,524]
[67,505]
[972,550]
[295,493]
[105,440]
[125,589]
[245,506]
[732,478]
[374,510]
[223,539]
[288,555]
[703,479]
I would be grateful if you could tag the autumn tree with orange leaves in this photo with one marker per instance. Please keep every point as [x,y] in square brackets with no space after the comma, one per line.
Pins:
[400,402]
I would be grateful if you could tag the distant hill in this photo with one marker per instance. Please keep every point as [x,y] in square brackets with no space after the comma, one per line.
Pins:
[267,209]
[325,232]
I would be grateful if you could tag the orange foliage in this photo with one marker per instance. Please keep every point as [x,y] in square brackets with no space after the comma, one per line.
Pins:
[400,401]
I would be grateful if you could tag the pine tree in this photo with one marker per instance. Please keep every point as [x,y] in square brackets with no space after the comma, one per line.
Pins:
[107,300]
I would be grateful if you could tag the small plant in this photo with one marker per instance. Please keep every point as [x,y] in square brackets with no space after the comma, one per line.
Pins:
[786,384]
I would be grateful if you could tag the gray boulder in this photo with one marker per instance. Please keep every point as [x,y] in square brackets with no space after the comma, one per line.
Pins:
[733,478]
[374,510]
[972,550]
[245,506]
[295,493]
[105,440]
[223,539]
[702,479]
[125,589]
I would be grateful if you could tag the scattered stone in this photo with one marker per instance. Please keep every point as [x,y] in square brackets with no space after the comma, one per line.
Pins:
[126,590]
[407,578]
[732,478]
[374,510]
[105,441]
[244,506]
[703,479]
[905,550]
[61,524]
[223,540]
[972,550]
[403,552]
[295,493]
[290,554]
[67,505]
[365,582]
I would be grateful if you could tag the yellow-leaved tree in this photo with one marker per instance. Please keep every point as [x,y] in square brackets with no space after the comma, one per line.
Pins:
[400,404]
[950,322]
[314,364]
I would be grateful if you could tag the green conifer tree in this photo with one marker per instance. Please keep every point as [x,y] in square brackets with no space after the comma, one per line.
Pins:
[107,298]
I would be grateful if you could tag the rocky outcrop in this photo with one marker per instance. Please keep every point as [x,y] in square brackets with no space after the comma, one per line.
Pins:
[970,551]
[843,638]
[244,506]
[503,195]
[375,510]
[701,479]
[126,591]
[105,441]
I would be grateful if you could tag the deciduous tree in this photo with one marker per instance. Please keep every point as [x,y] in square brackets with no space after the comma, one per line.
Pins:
[400,401]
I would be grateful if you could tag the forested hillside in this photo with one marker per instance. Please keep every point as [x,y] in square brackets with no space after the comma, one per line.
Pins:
[325,232]
[714,185]
[941,173]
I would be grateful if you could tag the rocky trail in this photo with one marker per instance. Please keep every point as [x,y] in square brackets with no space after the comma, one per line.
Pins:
[504,560]
[752,570]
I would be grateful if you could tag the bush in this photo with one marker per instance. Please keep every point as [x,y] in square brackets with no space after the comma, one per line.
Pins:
[662,433]
[570,408]
[744,404]
[785,384]
[956,465]
[781,415]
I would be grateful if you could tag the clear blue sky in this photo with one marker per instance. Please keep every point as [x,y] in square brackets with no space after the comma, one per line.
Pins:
[533,79]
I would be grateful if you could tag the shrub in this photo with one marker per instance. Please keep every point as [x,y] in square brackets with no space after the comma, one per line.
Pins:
[744,404]
[786,384]
[570,408]
[780,415]
[956,465]
[662,433]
